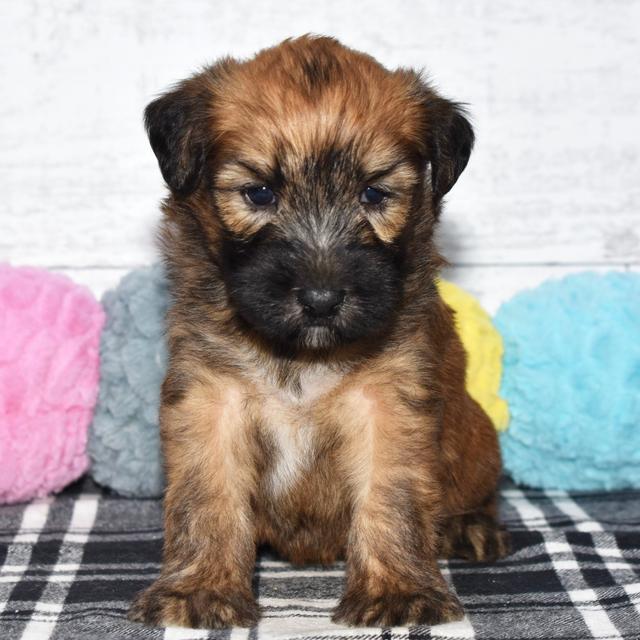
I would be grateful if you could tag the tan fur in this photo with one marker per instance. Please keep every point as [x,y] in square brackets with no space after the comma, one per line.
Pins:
[371,451]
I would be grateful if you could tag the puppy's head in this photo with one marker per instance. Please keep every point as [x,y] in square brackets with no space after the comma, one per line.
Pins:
[315,177]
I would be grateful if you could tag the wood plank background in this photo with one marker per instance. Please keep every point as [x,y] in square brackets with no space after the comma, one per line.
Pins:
[553,87]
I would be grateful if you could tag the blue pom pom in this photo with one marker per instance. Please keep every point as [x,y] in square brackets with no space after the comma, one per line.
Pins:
[124,440]
[572,382]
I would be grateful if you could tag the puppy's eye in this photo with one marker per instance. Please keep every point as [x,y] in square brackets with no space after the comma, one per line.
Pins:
[371,195]
[261,196]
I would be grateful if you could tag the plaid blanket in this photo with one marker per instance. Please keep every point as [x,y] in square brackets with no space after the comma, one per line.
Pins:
[70,565]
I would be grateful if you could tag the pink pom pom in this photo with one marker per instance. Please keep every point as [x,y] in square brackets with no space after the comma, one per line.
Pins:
[49,356]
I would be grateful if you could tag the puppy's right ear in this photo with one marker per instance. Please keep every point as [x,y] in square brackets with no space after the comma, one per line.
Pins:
[176,125]
[450,141]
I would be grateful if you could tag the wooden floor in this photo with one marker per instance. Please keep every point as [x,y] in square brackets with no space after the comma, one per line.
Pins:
[553,87]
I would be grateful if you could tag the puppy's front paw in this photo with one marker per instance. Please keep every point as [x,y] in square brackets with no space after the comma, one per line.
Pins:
[431,606]
[161,606]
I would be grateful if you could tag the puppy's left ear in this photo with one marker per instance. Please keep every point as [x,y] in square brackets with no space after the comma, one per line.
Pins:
[449,141]
[175,124]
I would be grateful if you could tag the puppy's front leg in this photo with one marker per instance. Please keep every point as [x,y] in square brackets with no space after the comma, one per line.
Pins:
[391,458]
[209,549]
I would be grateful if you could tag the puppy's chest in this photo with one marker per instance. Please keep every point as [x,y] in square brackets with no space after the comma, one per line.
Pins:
[288,422]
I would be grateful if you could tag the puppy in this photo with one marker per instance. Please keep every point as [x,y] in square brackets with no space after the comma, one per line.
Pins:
[315,397]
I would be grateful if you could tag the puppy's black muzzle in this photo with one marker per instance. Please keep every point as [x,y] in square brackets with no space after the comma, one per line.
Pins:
[290,289]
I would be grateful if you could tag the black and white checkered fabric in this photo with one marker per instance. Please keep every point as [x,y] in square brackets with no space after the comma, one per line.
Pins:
[71,564]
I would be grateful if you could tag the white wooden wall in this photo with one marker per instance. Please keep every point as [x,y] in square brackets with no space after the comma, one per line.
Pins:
[553,86]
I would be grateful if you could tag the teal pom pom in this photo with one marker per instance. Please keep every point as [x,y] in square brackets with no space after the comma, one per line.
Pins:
[124,439]
[572,382]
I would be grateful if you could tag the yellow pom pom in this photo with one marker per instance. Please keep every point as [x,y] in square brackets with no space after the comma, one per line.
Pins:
[484,348]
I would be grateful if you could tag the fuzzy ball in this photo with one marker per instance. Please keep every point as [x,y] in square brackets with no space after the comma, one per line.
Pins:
[483,345]
[572,380]
[49,345]
[124,441]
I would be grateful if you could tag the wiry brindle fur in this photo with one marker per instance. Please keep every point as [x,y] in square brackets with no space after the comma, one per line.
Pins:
[315,397]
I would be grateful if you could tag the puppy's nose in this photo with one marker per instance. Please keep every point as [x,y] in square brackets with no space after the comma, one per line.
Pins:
[320,302]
